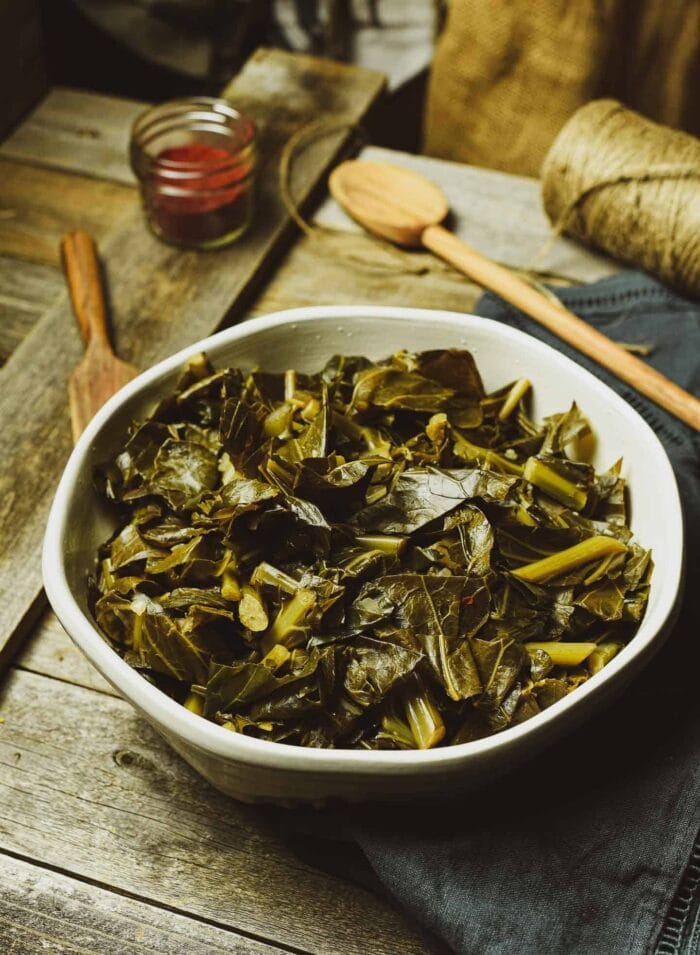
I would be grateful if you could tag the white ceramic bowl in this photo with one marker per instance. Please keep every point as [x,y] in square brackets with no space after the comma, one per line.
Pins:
[254,770]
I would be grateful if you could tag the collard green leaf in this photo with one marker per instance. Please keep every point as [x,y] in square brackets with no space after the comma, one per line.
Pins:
[177,463]
[179,647]
[421,496]
[443,613]
[453,368]
[469,529]
[498,663]
[242,432]
[605,600]
[129,548]
[375,668]
[562,429]
[234,688]
[392,389]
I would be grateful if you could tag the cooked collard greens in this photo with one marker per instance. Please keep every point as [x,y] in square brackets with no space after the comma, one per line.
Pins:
[377,556]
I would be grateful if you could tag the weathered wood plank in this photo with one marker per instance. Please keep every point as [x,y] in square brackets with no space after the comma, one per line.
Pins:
[88,133]
[162,299]
[37,206]
[87,786]
[27,289]
[16,320]
[331,268]
[45,911]
[35,286]
[50,651]
[78,132]
[499,214]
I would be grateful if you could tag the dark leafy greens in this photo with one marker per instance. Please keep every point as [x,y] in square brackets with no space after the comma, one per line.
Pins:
[378,556]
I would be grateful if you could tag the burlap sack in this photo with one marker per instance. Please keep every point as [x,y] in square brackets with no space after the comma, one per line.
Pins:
[507,74]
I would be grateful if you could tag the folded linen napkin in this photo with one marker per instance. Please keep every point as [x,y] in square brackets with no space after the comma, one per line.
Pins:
[592,848]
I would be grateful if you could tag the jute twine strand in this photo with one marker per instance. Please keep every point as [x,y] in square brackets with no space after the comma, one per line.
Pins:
[387,258]
[630,187]
[297,142]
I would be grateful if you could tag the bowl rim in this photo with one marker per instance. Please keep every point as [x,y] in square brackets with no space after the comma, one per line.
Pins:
[207,736]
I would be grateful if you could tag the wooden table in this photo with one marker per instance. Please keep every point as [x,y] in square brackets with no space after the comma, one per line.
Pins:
[109,843]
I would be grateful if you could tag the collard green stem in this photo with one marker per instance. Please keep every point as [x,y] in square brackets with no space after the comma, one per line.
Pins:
[563,654]
[484,456]
[386,543]
[397,730]
[518,391]
[276,657]
[288,626]
[547,480]
[195,703]
[265,573]
[423,717]
[251,610]
[279,420]
[594,548]
[230,586]
[602,654]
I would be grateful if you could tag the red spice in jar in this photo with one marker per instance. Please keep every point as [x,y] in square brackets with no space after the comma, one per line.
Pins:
[195,194]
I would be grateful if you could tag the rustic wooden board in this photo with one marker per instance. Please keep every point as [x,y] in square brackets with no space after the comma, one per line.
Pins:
[78,132]
[330,268]
[96,793]
[50,651]
[27,289]
[499,214]
[162,299]
[37,206]
[45,911]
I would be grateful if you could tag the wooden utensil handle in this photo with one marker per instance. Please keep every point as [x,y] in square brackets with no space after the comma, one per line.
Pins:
[84,278]
[563,323]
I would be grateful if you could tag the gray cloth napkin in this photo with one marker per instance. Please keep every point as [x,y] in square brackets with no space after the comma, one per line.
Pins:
[593,846]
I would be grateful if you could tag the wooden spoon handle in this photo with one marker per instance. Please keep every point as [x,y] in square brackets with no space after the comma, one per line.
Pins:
[563,323]
[84,278]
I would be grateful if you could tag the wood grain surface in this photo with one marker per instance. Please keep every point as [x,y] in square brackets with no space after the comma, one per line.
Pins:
[162,299]
[38,206]
[27,289]
[99,795]
[45,911]
[49,651]
[79,132]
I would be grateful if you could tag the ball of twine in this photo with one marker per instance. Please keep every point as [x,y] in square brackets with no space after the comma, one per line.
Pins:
[630,187]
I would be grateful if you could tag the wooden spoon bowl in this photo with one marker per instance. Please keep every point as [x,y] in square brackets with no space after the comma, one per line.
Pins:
[394,203]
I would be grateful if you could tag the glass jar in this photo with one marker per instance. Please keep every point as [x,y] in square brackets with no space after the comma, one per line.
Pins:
[195,160]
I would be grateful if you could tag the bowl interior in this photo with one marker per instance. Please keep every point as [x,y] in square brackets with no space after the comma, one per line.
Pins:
[305,339]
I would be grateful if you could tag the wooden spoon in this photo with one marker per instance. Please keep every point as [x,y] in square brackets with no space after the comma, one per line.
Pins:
[406,208]
[100,374]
